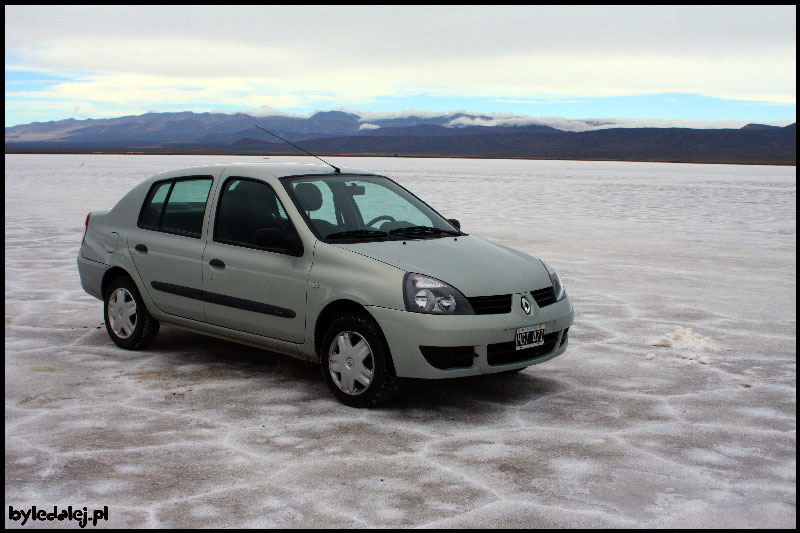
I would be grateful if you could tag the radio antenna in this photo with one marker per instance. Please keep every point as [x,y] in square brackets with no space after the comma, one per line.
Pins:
[301,149]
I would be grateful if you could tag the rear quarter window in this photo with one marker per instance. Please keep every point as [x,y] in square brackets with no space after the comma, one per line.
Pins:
[177,206]
[151,213]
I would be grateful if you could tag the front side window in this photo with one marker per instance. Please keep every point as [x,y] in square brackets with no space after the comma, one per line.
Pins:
[177,206]
[364,208]
[245,207]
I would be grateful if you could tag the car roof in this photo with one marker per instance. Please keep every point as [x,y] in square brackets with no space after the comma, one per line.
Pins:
[278,170]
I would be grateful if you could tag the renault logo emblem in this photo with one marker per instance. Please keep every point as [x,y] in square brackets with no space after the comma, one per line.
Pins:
[526,306]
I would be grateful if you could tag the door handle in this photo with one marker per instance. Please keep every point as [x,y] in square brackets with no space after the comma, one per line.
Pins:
[216,263]
[141,248]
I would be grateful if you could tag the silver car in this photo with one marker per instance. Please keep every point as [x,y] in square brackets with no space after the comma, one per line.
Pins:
[341,267]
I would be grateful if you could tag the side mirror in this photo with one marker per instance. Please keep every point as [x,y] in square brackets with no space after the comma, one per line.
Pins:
[274,239]
[455,223]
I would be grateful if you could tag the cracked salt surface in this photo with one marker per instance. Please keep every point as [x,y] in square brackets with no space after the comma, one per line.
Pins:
[667,266]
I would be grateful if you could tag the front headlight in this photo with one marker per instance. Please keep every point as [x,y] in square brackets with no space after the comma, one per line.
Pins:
[423,294]
[558,287]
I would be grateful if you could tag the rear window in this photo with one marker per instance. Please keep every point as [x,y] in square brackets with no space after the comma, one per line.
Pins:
[177,206]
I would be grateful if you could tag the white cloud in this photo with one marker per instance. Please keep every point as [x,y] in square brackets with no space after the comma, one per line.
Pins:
[367,126]
[406,113]
[505,119]
[266,111]
[206,57]
[511,75]
[355,54]
[170,93]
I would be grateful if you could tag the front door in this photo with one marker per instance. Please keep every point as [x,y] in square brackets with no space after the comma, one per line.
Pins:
[246,287]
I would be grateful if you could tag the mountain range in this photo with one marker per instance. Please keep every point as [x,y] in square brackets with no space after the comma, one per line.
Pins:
[447,135]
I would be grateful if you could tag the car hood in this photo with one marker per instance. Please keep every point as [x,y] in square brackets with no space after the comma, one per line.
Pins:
[470,264]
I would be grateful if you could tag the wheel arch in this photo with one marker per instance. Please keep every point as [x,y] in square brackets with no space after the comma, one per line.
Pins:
[112,274]
[331,312]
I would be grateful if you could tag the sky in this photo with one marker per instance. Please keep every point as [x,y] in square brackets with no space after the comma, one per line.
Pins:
[712,66]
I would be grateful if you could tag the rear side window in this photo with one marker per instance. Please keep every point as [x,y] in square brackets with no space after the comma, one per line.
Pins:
[177,206]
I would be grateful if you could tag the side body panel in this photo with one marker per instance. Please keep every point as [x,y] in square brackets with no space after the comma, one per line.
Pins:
[254,290]
[170,265]
[339,274]
[105,245]
[171,269]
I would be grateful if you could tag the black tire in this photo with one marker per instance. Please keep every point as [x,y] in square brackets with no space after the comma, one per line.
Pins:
[508,372]
[135,331]
[383,384]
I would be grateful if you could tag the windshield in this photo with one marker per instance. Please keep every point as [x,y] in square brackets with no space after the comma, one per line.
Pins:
[363,208]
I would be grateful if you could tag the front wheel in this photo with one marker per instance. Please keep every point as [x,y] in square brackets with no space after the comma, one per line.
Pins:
[508,372]
[357,364]
[128,322]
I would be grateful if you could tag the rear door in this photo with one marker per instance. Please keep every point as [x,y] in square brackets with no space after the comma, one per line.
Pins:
[167,245]
[247,287]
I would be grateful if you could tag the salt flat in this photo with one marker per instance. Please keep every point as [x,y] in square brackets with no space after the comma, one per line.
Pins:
[675,405]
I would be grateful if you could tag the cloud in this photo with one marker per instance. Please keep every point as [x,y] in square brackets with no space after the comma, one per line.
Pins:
[513,52]
[297,58]
[504,119]
[192,64]
[367,126]
[406,113]
[266,111]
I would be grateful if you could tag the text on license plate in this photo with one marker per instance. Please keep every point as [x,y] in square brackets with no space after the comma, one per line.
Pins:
[530,336]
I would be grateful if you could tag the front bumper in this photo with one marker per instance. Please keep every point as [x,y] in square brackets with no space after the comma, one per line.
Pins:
[405,332]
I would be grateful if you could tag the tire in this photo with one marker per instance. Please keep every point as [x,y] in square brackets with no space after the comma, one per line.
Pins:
[356,362]
[128,322]
[509,372]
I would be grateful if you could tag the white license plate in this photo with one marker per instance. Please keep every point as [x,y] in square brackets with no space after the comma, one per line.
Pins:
[530,337]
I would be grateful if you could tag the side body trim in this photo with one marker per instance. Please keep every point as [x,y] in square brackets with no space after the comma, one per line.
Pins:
[221,299]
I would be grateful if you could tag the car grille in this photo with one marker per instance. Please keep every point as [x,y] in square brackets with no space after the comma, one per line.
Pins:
[491,305]
[504,353]
[544,296]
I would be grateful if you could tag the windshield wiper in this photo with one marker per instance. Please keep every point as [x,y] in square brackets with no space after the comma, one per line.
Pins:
[421,230]
[357,234]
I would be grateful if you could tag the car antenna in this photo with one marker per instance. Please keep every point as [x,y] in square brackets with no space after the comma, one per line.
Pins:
[306,151]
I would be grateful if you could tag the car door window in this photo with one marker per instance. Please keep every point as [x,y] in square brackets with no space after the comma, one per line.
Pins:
[177,206]
[151,214]
[245,207]
[186,206]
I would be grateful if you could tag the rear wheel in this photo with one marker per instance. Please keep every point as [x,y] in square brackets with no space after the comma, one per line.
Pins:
[356,362]
[128,322]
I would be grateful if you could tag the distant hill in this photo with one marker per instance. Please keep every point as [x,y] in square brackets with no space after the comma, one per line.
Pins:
[749,146]
[759,127]
[222,128]
[342,133]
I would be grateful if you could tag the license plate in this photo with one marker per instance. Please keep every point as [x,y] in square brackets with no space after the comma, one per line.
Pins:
[530,337]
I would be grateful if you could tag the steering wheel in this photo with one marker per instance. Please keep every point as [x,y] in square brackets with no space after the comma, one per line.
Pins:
[382,217]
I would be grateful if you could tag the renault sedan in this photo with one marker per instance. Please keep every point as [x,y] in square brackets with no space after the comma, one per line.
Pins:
[341,267]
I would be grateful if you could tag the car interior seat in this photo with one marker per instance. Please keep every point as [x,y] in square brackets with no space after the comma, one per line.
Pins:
[310,198]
